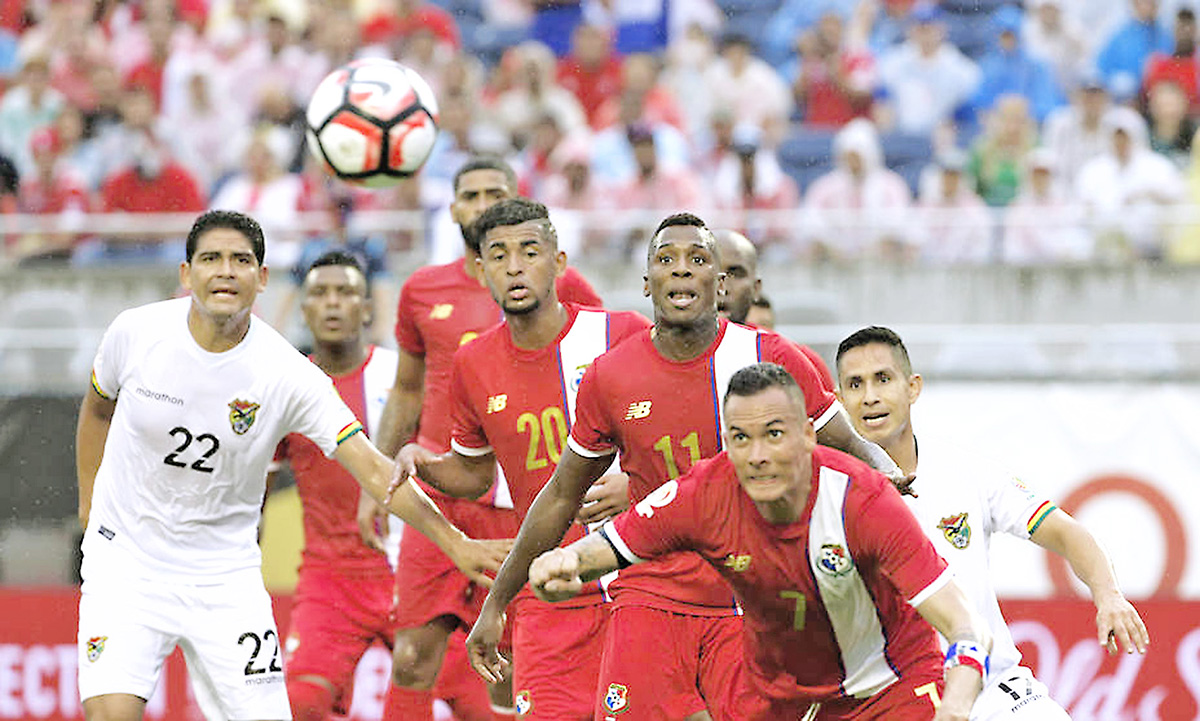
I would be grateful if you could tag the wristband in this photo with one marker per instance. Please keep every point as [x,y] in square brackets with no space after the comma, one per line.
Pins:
[967,653]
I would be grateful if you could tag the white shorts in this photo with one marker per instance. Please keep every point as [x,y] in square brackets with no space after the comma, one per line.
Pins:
[1016,694]
[226,632]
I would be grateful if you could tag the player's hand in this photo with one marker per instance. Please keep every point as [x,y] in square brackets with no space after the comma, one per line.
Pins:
[963,685]
[372,519]
[482,646]
[1118,625]
[554,575]
[405,467]
[477,558]
[607,497]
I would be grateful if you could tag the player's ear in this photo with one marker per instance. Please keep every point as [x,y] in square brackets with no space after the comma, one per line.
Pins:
[915,384]
[646,286]
[184,280]
[560,263]
[263,273]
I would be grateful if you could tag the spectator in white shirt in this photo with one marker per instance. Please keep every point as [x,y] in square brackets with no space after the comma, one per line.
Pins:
[1044,224]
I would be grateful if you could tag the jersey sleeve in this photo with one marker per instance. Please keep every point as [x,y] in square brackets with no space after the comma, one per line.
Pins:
[317,411]
[821,366]
[1014,507]
[885,530]
[110,358]
[467,436]
[819,401]
[408,334]
[572,287]
[663,521]
[593,433]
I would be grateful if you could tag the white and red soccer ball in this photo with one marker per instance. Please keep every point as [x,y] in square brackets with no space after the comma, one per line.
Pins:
[372,122]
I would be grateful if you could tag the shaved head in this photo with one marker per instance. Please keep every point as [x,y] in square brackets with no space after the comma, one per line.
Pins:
[739,262]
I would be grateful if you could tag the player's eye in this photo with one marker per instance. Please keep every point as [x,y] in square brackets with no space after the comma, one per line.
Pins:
[775,433]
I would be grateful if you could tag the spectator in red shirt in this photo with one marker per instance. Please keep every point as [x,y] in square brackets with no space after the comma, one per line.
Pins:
[153,183]
[398,19]
[591,71]
[831,84]
[55,188]
[1181,66]
[639,77]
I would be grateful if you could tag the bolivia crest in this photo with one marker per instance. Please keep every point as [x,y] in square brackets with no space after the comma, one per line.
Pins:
[95,647]
[524,702]
[835,560]
[241,415]
[617,698]
[956,530]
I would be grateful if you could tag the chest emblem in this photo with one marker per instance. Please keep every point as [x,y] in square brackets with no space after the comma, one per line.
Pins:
[524,702]
[241,415]
[956,530]
[441,311]
[737,562]
[835,560]
[578,377]
[95,647]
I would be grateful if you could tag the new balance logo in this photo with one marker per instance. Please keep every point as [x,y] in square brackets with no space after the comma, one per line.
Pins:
[495,404]
[637,409]
[441,311]
[737,563]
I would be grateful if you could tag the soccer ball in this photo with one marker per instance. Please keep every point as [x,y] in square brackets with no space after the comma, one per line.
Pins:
[372,122]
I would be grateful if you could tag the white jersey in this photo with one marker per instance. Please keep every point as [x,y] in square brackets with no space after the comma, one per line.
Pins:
[960,503]
[180,488]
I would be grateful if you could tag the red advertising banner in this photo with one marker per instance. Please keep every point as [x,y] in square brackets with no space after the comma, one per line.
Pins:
[38,660]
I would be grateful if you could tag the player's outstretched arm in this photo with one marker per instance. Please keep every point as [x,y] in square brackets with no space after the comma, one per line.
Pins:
[374,472]
[949,612]
[95,417]
[543,528]
[1118,624]
[451,473]
[397,424]
[559,574]
[837,432]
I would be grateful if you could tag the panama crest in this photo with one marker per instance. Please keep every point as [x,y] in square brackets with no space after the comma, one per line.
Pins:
[241,415]
[95,647]
[617,698]
[956,530]
[524,702]
[835,560]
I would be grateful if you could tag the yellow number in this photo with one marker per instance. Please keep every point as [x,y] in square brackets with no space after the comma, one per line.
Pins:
[691,442]
[530,421]
[930,690]
[663,446]
[552,427]
[801,608]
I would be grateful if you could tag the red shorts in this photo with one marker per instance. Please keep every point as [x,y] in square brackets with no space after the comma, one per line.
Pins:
[909,699]
[556,659]
[335,618]
[664,666]
[428,585]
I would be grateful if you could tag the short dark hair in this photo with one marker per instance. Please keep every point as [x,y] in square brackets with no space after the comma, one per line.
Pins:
[337,257]
[685,220]
[876,334]
[1186,15]
[487,162]
[232,220]
[754,379]
[512,211]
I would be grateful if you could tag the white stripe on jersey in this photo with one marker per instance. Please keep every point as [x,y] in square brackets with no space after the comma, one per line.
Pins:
[847,601]
[738,349]
[378,376]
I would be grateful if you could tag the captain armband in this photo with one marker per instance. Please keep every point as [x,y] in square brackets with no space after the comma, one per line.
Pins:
[967,653]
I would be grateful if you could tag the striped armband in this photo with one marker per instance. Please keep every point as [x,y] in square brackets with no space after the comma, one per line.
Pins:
[967,653]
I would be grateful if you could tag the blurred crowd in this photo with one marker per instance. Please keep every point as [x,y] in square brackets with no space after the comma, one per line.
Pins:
[960,131]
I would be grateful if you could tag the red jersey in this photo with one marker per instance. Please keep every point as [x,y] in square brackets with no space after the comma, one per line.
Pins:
[441,308]
[328,493]
[664,416]
[519,403]
[830,599]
